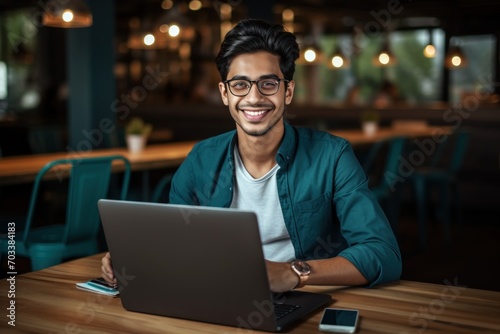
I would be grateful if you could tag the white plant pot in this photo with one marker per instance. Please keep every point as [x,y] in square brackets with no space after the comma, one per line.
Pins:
[136,143]
[369,128]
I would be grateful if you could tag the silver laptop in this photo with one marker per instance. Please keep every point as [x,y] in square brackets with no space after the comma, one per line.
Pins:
[197,263]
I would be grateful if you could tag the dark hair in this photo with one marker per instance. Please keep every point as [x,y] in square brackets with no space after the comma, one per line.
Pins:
[252,35]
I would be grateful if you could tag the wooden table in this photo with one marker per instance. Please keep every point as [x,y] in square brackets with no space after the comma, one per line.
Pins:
[47,301]
[21,169]
[357,137]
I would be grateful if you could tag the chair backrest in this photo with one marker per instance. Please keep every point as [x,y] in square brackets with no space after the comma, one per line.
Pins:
[393,160]
[389,151]
[89,180]
[449,154]
[162,187]
[368,163]
[461,143]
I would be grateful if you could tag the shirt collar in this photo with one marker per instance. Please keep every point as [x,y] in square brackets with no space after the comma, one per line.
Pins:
[286,151]
[285,154]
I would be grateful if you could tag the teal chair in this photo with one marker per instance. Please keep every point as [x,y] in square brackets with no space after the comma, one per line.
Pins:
[89,180]
[441,173]
[160,192]
[381,166]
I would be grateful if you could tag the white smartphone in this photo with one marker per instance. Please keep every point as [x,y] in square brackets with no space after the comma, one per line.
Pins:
[339,320]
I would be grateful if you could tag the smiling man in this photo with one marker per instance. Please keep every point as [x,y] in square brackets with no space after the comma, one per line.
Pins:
[319,222]
[256,111]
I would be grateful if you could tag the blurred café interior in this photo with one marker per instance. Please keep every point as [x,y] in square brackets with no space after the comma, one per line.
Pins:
[407,63]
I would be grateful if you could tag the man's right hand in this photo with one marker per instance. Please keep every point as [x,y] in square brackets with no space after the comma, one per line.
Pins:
[107,269]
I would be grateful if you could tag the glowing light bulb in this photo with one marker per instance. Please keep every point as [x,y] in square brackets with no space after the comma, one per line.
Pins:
[310,55]
[67,16]
[430,51]
[456,61]
[337,61]
[384,58]
[149,39]
[174,30]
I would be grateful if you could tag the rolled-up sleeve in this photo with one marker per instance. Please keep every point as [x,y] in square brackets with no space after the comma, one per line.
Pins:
[372,245]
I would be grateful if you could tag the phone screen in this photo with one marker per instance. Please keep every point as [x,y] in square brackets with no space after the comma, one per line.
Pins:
[339,320]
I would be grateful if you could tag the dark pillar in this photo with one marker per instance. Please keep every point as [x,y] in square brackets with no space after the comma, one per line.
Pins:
[496,77]
[445,94]
[91,82]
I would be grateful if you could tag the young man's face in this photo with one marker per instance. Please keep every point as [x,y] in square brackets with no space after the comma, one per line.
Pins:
[256,114]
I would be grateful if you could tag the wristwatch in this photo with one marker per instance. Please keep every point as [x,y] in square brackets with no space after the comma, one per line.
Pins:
[302,269]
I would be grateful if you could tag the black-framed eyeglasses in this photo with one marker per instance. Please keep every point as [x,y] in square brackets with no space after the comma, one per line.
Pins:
[241,87]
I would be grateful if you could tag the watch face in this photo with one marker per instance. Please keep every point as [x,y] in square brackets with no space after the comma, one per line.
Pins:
[302,267]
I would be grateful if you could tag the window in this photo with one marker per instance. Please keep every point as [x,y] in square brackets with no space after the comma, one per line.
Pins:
[18,39]
[478,75]
[418,79]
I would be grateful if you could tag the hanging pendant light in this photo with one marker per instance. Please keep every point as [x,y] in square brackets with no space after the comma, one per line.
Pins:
[338,59]
[430,49]
[310,53]
[310,50]
[385,57]
[455,58]
[67,14]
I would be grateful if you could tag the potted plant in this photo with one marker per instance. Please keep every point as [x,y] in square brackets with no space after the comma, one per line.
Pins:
[137,133]
[369,122]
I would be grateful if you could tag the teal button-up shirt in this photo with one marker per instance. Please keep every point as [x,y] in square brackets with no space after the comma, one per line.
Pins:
[327,206]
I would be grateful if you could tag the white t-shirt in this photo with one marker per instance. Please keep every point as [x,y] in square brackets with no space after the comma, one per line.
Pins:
[261,196]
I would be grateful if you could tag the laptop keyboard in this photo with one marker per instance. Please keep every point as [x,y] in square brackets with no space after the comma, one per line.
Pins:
[282,310]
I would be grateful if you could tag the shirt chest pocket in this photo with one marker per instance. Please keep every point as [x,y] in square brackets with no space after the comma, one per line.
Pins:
[314,216]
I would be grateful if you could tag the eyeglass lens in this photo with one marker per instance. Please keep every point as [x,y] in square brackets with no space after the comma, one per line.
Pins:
[241,87]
